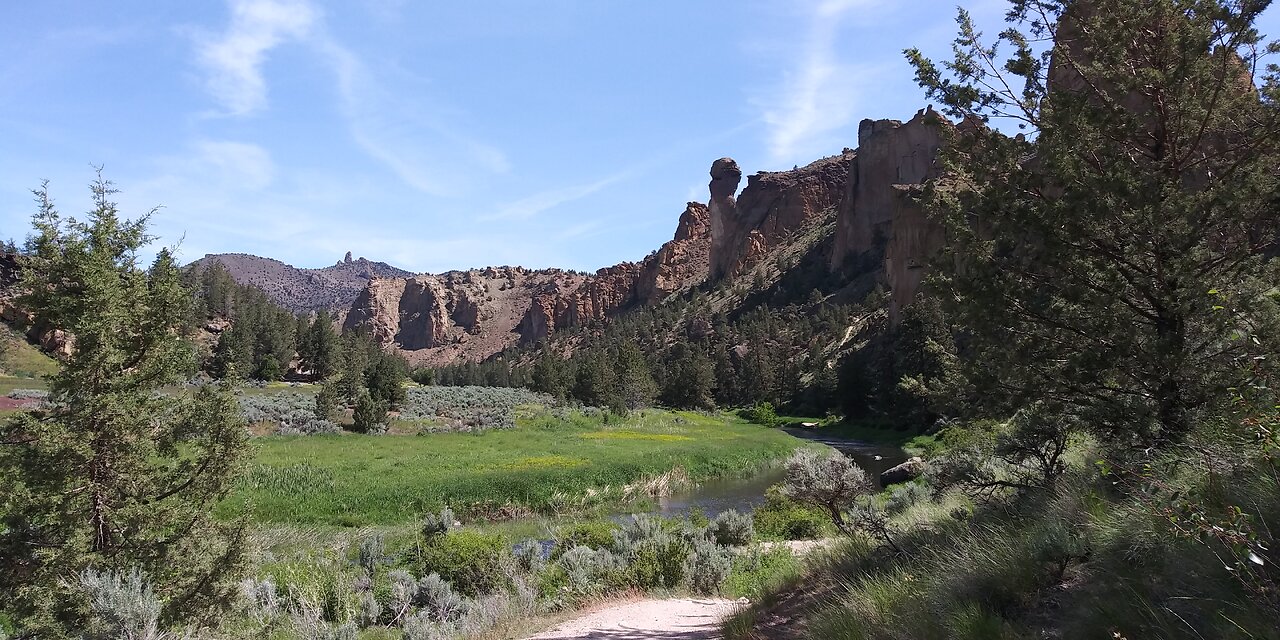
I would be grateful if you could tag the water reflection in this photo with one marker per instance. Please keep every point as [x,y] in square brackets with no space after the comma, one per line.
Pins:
[744,494]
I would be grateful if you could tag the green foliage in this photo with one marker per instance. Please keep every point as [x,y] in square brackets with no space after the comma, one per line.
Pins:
[547,464]
[756,572]
[731,529]
[828,481]
[260,342]
[593,534]
[781,518]
[370,415]
[654,555]
[762,413]
[326,402]
[707,566]
[112,474]
[469,560]
[1119,273]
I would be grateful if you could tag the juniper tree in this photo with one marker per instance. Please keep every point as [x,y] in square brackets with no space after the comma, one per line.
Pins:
[115,475]
[1110,262]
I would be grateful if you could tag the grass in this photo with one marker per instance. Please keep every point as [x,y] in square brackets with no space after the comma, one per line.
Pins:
[548,464]
[21,359]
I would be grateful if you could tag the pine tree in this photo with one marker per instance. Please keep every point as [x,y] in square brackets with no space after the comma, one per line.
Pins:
[114,475]
[635,384]
[323,357]
[1112,262]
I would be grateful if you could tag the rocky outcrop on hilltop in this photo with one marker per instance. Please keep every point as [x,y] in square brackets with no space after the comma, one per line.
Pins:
[678,265]
[332,288]
[880,223]
[773,204]
[471,315]
[454,316]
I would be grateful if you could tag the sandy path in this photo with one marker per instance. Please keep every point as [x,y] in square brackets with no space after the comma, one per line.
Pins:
[676,619]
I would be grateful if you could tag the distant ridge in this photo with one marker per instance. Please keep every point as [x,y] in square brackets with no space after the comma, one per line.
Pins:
[304,290]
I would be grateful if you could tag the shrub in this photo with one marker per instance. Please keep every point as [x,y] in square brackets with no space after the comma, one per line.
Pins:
[655,556]
[420,626]
[370,415]
[262,599]
[781,518]
[755,573]
[830,481]
[435,524]
[372,553]
[438,600]
[732,529]
[707,566]
[596,534]
[370,608]
[469,560]
[530,556]
[588,570]
[761,413]
[122,605]
[404,590]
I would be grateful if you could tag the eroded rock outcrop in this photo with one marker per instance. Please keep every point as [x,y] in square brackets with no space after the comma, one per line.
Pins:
[880,223]
[773,204]
[678,265]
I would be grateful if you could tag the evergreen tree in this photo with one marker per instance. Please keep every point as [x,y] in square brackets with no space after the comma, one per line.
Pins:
[1117,273]
[327,402]
[323,356]
[690,380]
[634,382]
[114,475]
[370,414]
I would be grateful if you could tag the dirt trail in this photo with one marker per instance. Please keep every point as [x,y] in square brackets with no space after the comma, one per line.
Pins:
[674,619]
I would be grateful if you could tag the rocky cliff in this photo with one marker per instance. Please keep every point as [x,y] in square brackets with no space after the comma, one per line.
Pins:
[773,204]
[471,315]
[880,223]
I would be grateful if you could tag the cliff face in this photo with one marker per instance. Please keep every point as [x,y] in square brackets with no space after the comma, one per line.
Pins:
[771,206]
[475,314]
[880,223]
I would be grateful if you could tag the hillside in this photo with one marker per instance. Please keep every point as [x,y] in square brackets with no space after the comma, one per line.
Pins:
[302,290]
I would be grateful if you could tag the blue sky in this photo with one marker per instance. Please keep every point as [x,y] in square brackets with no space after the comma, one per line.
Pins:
[439,135]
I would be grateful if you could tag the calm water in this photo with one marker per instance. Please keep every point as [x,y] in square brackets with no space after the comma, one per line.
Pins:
[744,494]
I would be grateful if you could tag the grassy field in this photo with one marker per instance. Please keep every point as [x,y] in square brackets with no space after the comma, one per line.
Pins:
[550,463]
[20,359]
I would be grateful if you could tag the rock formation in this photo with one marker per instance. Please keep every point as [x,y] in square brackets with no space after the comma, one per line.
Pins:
[773,204]
[303,290]
[880,223]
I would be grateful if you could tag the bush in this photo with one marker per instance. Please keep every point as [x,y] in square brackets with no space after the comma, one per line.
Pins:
[596,534]
[370,415]
[438,600]
[121,605]
[655,556]
[830,481]
[781,518]
[587,570]
[435,524]
[468,560]
[372,553]
[707,566]
[732,529]
[755,573]
[761,413]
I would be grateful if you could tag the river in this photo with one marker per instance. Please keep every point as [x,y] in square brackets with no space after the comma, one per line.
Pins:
[744,494]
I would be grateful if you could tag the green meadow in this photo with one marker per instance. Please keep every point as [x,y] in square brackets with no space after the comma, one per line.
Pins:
[552,462]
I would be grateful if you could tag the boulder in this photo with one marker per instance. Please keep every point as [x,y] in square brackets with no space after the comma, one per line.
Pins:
[907,471]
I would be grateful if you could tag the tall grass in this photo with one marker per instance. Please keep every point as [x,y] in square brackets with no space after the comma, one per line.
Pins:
[548,464]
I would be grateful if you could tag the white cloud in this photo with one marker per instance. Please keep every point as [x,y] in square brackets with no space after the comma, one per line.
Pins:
[531,206]
[234,59]
[819,94]
[239,163]
[420,149]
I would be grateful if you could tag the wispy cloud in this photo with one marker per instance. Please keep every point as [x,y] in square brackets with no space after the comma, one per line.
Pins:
[234,58]
[423,151]
[531,206]
[819,93]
